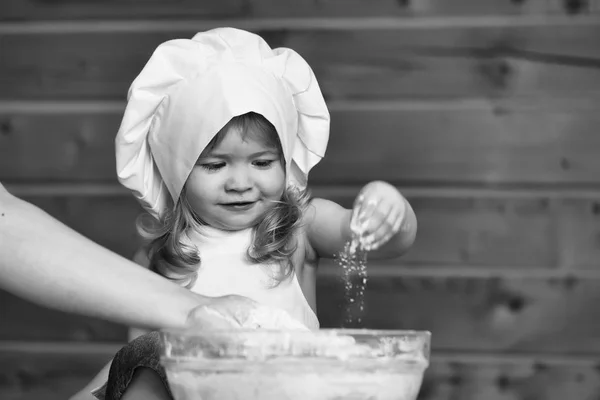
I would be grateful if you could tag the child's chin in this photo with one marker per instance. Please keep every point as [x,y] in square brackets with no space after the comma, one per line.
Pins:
[237,224]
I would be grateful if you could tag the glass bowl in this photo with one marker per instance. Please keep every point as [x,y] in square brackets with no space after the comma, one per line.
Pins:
[295,365]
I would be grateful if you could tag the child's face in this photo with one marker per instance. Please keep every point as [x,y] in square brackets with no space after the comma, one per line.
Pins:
[235,183]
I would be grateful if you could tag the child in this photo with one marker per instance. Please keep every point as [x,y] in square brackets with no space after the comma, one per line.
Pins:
[219,135]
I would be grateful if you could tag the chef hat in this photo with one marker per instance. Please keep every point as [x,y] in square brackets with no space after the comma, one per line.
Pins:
[190,89]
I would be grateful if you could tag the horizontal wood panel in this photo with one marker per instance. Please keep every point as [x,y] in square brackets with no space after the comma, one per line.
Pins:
[456,235]
[484,232]
[107,220]
[350,64]
[479,146]
[480,143]
[518,314]
[580,234]
[55,372]
[55,375]
[453,232]
[27,10]
[518,311]
[498,379]
[22,320]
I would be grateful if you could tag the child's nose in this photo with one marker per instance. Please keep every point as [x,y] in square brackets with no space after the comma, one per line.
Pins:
[239,180]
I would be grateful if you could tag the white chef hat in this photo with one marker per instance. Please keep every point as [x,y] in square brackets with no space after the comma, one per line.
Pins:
[189,90]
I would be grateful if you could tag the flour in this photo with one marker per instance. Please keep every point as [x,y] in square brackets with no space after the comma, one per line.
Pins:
[353,260]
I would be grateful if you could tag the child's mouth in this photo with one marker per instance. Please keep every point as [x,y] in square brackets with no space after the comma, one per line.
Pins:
[239,206]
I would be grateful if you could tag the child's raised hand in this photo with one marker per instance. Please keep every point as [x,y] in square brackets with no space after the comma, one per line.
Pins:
[378,213]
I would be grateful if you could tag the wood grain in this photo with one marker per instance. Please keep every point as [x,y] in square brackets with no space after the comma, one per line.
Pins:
[498,378]
[26,321]
[512,235]
[511,314]
[107,220]
[482,61]
[484,143]
[498,96]
[49,371]
[580,234]
[453,232]
[481,232]
[31,10]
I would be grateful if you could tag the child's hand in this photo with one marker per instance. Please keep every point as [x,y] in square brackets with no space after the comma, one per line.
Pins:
[377,215]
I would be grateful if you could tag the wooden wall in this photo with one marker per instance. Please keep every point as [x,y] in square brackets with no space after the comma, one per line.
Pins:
[483,112]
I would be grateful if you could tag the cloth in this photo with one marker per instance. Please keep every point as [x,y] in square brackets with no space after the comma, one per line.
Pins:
[225,270]
[191,88]
[144,351]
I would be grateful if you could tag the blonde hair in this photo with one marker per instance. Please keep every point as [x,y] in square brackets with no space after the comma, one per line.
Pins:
[274,241]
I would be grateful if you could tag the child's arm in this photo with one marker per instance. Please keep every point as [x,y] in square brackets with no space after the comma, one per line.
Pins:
[388,222]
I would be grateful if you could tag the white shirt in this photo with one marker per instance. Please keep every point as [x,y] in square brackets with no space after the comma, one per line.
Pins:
[224,270]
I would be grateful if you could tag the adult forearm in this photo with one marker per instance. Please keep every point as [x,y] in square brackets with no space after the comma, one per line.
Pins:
[45,262]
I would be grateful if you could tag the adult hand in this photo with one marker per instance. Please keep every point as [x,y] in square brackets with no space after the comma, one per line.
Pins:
[224,312]
[233,311]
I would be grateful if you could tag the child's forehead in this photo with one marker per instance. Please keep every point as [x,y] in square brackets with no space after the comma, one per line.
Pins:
[237,140]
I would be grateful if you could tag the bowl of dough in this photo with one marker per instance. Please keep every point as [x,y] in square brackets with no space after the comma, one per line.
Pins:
[265,364]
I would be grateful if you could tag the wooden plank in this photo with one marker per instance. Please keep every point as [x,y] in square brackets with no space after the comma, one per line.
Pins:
[107,220]
[456,237]
[426,192]
[453,232]
[462,232]
[55,374]
[51,372]
[521,314]
[496,378]
[484,143]
[26,321]
[389,63]
[303,24]
[458,227]
[512,314]
[464,146]
[579,234]
[28,10]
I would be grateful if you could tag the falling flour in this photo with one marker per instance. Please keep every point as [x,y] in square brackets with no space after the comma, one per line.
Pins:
[353,260]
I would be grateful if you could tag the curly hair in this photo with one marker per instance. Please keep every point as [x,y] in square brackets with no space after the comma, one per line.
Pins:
[172,254]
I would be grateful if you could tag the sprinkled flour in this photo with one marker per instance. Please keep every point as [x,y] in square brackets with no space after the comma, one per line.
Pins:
[353,260]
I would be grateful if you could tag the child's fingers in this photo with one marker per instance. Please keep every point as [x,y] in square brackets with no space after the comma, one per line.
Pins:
[387,228]
[399,220]
[395,228]
[355,224]
[378,227]
[362,215]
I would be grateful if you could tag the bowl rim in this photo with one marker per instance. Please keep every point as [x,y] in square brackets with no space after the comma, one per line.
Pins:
[192,331]
[424,337]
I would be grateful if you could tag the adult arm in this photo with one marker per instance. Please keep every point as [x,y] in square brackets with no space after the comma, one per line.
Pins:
[46,262]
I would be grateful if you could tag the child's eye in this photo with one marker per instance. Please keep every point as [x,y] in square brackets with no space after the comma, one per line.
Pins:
[213,166]
[263,163]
